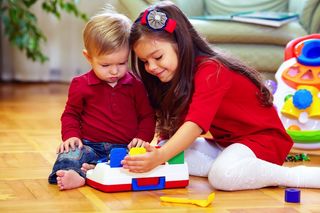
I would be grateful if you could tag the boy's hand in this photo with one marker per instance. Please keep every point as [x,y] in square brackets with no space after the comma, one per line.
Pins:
[136,142]
[72,143]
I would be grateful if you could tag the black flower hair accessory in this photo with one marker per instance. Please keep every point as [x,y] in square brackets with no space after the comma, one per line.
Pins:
[157,20]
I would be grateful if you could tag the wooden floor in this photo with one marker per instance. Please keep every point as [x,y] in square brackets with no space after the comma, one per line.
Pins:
[29,134]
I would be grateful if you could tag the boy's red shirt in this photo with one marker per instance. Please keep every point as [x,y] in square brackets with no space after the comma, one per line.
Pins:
[100,113]
[226,104]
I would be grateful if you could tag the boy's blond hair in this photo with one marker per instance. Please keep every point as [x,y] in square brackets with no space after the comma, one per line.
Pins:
[106,32]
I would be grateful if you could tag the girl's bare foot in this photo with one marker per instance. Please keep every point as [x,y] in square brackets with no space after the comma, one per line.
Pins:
[85,167]
[69,179]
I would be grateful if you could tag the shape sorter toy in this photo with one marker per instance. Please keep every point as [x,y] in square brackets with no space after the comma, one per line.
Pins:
[297,97]
[111,177]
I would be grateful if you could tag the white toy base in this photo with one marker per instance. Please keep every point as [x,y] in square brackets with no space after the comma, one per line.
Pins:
[107,179]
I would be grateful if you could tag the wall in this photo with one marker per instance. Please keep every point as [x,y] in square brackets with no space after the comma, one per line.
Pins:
[63,47]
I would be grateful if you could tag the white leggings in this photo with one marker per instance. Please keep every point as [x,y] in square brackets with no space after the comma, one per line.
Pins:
[237,168]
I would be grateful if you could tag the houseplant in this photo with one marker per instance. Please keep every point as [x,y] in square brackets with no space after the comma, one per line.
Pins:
[20,23]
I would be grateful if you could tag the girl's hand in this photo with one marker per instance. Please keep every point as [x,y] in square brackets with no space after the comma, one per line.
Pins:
[144,162]
[72,143]
[136,142]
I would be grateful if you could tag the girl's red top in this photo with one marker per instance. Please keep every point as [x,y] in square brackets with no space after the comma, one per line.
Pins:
[226,104]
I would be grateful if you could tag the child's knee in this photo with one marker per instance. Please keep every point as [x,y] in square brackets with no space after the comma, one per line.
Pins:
[222,178]
[216,177]
[71,155]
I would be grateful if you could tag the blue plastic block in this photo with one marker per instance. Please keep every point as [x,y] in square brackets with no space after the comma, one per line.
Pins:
[292,195]
[116,156]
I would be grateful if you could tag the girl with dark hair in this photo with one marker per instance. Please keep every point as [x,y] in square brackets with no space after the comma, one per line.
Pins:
[195,89]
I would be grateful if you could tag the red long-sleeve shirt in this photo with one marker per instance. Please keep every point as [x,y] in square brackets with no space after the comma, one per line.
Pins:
[100,113]
[226,103]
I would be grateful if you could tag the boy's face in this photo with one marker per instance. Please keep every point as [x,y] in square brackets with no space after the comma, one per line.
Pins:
[159,56]
[110,67]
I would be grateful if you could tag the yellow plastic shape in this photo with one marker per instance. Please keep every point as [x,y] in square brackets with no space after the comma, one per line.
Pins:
[137,151]
[202,203]
[290,110]
[313,110]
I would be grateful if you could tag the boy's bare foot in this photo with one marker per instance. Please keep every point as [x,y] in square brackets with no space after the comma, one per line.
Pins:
[69,179]
[85,167]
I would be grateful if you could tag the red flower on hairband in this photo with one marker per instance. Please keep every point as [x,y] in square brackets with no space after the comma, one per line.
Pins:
[157,20]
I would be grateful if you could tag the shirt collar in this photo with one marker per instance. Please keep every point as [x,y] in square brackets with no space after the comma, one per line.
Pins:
[93,79]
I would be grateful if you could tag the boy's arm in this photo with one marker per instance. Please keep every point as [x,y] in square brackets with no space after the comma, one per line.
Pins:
[70,118]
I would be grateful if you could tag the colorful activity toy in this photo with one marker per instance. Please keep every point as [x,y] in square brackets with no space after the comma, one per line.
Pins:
[297,97]
[111,177]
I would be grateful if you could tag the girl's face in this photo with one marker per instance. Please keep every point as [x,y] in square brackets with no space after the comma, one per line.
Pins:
[159,56]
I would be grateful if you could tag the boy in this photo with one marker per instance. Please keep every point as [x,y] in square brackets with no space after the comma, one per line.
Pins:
[107,107]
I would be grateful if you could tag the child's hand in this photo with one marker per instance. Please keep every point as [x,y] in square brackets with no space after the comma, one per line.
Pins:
[144,162]
[136,142]
[72,143]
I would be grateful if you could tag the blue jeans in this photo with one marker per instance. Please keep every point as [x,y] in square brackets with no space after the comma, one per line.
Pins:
[90,153]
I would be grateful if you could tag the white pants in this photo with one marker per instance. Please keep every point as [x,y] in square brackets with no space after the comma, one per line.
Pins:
[237,168]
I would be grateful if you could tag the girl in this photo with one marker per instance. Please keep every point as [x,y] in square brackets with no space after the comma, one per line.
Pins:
[194,89]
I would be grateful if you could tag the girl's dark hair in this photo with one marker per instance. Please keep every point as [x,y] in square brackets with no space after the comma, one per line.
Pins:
[171,99]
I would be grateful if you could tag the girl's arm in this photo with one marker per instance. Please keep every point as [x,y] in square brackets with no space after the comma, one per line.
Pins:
[180,141]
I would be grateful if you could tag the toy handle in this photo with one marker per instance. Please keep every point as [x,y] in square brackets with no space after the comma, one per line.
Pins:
[291,50]
[142,184]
